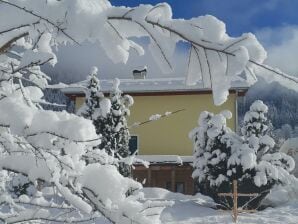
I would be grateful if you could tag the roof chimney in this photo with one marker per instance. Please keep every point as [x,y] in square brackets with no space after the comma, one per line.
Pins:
[140,73]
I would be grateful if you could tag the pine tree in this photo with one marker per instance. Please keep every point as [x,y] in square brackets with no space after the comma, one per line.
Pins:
[109,116]
[120,137]
[211,152]
[93,96]
[222,156]
[257,129]
[257,133]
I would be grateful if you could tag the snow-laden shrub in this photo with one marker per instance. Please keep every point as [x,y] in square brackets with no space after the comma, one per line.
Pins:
[221,156]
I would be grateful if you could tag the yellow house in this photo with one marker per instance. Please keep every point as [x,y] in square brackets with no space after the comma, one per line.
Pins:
[164,142]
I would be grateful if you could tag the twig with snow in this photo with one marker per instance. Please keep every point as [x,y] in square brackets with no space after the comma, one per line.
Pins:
[155,117]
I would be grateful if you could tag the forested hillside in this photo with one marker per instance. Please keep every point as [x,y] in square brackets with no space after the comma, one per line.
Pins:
[282,103]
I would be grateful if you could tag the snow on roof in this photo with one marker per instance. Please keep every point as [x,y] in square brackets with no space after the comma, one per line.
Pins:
[148,85]
[168,159]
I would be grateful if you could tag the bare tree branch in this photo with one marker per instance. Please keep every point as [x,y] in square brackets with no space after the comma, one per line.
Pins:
[227,65]
[209,67]
[196,43]
[157,44]
[148,121]
[200,63]
[50,220]
[33,63]
[27,100]
[41,18]
[38,39]
[96,206]
[49,206]
[62,137]
[234,43]
[115,30]
[7,45]
[18,27]
[149,33]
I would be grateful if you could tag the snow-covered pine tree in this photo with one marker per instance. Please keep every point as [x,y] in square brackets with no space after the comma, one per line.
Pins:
[93,96]
[113,126]
[120,137]
[257,134]
[256,128]
[109,116]
[211,153]
[221,156]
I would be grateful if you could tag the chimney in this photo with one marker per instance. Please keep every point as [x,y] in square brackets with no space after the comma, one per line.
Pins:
[140,73]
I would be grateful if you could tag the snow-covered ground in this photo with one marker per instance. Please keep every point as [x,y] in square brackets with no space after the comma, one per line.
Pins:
[198,209]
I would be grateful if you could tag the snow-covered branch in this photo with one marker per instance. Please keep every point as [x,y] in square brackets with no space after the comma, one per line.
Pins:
[205,54]
[155,117]
[40,17]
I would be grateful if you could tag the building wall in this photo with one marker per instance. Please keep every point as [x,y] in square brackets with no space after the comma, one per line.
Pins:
[169,136]
[166,176]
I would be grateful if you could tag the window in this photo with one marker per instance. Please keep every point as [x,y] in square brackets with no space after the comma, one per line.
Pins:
[133,144]
[179,187]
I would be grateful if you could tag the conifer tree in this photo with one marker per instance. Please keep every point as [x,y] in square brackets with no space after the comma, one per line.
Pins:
[120,134]
[257,129]
[109,116]
[222,156]
[93,96]
[211,152]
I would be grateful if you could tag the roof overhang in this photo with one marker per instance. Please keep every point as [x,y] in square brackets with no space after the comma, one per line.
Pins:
[152,87]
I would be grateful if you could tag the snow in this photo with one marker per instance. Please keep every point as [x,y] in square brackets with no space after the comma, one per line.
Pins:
[114,187]
[94,70]
[105,107]
[227,114]
[75,200]
[168,113]
[290,147]
[169,84]
[200,209]
[154,117]
[267,140]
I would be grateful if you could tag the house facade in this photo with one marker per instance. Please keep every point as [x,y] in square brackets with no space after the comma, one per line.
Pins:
[164,142]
